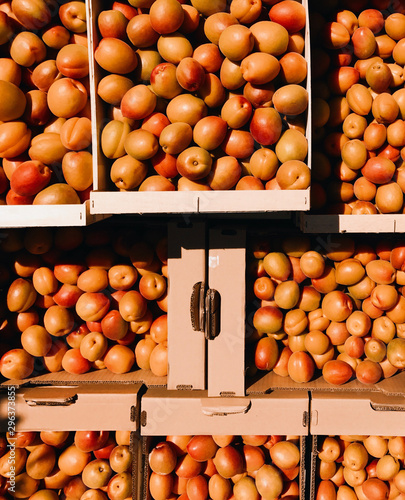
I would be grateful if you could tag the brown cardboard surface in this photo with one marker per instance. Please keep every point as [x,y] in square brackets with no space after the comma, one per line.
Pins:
[193,412]
[186,267]
[40,215]
[393,386]
[373,223]
[84,407]
[226,274]
[355,413]
[100,377]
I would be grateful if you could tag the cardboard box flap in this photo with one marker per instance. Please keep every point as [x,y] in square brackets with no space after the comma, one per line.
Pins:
[227,276]
[186,268]
[357,414]
[224,406]
[99,377]
[393,386]
[53,395]
[56,395]
[193,412]
[84,407]
[381,402]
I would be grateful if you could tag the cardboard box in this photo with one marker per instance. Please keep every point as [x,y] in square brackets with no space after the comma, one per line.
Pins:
[92,406]
[352,414]
[104,377]
[358,413]
[47,216]
[105,199]
[187,275]
[87,407]
[379,223]
[389,387]
[207,295]
[130,231]
[194,412]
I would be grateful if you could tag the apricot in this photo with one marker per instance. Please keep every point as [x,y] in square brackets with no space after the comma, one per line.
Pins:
[141,144]
[293,174]
[13,101]
[335,35]
[364,43]
[395,25]
[348,19]
[216,23]
[245,12]
[148,60]
[385,108]
[47,148]
[112,138]
[127,173]
[186,108]
[337,305]
[67,97]
[236,42]
[73,61]
[174,47]
[389,198]
[73,16]
[115,56]
[138,102]
[77,168]
[270,37]
[10,71]
[56,36]
[166,16]
[398,52]
[379,76]
[140,32]
[354,154]
[375,135]
[259,68]
[57,194]
[292,145]
[293,68]
[27,49]
[190,74]
[15,138]
[290,99]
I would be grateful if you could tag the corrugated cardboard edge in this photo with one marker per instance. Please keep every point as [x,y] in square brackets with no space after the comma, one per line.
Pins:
[100,377]
[145,469]
[393,386]
[136,449]
[313,454]
[303,467]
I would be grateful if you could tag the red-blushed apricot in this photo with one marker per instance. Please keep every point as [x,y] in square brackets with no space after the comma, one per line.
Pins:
[337,372]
